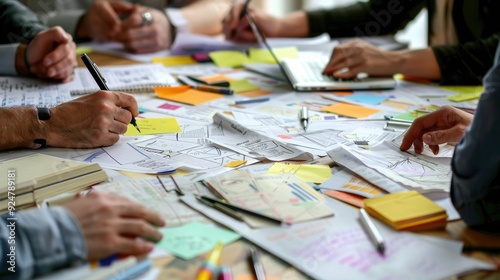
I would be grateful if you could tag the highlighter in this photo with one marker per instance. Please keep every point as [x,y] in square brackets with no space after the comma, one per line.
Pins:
[209,267]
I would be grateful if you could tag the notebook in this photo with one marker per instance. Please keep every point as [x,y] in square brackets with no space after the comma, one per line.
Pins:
[38,176]
[305,75]
[407,211]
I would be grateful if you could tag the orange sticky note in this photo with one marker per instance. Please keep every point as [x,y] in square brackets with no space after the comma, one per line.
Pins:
[190,96]
[255,93]
[349,110]
[216,78]
[169,90]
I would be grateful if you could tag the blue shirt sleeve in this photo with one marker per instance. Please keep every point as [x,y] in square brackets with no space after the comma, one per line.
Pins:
[8,59]
[475,189]
[38,242]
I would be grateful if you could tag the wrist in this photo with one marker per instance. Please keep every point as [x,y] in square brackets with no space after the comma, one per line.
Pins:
[21,60]
[399,61]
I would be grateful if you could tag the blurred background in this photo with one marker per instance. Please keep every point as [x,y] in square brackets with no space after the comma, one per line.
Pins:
[415,33]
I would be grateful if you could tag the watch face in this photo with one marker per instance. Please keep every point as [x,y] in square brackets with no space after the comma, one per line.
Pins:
[43,114]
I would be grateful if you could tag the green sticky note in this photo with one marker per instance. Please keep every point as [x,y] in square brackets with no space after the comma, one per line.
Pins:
[191,240]
[409,116]
[464,92]
[264,55]
[228,58]
[242,85]
[82,50]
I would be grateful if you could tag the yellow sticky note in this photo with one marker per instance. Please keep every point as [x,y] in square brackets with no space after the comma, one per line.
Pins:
[173,89]
[82,50]
[264,55]
[242,85]
[154,126]
[349,110]
[216,78]
[235,163]
[174,60]
[464,92]
[228,58]
[314,173]
[190,96]
[255,93]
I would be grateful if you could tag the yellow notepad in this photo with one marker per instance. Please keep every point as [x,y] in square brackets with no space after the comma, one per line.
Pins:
[407,211]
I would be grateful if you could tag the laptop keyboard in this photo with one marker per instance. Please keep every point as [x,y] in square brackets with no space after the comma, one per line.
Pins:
[310,71]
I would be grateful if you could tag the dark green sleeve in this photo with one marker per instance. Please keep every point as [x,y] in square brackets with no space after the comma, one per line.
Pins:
[372,18]
[19,24]
[466,63]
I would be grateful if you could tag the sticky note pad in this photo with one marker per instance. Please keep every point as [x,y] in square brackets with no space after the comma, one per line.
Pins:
[367,98]
[255,93]
[153,126]
[194,239]
[242,85]
[349,110]
[173,89]
[174,60]
[465,93]
[314,173]
[228,58]
[216,78]
[264,55]
[190,96]
[235,163]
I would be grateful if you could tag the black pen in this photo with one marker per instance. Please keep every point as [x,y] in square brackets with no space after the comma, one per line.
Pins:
[99,79]
[242,13]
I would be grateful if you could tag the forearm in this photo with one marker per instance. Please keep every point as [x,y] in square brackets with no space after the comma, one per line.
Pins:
[21,128]
[44,239]
[213,12]
[294,25]
[19,24]
[418,63]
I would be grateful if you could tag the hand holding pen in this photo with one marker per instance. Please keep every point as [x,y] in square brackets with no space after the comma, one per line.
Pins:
[101,82]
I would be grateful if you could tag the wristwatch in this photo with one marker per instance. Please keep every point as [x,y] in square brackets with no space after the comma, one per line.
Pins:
[43,115]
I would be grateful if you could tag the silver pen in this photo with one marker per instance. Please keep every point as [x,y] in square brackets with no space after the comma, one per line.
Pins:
[304,117]
[257,265]
[371,230]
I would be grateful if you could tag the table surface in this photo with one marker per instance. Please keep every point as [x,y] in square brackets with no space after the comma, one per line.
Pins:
[235,254]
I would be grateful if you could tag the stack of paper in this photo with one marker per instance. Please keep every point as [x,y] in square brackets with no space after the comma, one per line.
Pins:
[37,177]
[407,211]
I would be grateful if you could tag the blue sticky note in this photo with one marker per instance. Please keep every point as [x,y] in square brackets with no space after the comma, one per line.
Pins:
[367,98]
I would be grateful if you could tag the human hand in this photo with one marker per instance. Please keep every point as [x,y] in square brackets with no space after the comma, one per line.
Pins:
[90,121]
[358,56]
[112,224]
[139,37]
[239,30]
[51,54]
[102,19]
[447,124]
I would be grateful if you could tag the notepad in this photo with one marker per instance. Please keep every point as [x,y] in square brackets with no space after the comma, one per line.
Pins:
[39,176]
[407,211]
[349,110]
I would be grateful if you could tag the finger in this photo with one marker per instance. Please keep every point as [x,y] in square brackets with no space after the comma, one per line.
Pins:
[418,127]
[125,100]
[108,14]
[143,45]
[122,115]
[139,228]
[438,137]
[337,62]
[136,34]
[123,7]
[58,35]
[134,20]
[132,246]
[350,73]
[117,127]
[434,149]
[126,208]
[61,52]
[418,146]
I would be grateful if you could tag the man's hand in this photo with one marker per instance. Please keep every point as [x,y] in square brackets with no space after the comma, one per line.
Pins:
[90,121]
[139,38]
[357,56]
[239,30]
[115,225]
[448,124]
[102,20]
[51,54]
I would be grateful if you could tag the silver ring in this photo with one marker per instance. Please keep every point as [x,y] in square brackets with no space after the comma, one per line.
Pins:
[147,18]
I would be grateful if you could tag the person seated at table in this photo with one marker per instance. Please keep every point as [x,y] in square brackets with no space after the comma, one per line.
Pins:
[462,34]
[30,49]
[147,26]
[475,186]
[88,228]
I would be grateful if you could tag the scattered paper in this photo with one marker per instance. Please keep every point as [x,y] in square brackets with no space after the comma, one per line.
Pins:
[314,173]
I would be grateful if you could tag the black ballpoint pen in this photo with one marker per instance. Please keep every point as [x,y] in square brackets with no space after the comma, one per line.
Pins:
[242,13]
[99,79]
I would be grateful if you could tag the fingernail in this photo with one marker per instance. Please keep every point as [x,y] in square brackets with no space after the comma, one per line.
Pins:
[48,62]
[52,73]
[427,138]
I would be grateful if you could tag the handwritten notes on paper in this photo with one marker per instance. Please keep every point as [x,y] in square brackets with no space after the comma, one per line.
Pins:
[154,126]
[283,196]
[193,239]
[349,110]
[314,173]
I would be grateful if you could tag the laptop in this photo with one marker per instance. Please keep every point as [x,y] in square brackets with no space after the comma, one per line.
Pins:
[305,75]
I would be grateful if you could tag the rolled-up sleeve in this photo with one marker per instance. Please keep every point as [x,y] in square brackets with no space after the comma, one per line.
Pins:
[45,239]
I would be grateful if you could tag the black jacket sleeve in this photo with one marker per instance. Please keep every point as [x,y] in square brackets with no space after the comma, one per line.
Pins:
[372,18]
[18,23]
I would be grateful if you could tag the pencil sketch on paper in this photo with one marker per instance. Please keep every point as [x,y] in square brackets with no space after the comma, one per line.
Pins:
[417,171]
